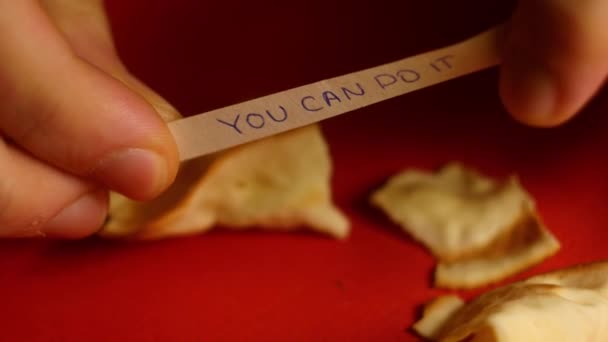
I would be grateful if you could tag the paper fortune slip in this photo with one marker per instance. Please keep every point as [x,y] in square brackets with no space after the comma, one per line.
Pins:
[244,122]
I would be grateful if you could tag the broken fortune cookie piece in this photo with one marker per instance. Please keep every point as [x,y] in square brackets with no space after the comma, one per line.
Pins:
[281,182]
[564,305]
[480,230]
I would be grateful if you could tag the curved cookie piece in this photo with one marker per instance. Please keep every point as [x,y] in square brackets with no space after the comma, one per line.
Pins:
[524,245]
[565,305]
[480,230]
[281,182]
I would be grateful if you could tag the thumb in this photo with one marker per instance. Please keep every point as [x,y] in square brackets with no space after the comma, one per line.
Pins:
[71,113]
[555,59]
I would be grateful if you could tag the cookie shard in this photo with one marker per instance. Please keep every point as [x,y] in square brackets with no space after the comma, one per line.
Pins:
[455,212]
[127,218]
[281,183]
[480,230]
[435,315]
[564,305]
[592,276]
[524,245]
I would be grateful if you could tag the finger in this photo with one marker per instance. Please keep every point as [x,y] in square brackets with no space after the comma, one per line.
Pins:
[555,59]
[39,200]
[98,127]
[85,26]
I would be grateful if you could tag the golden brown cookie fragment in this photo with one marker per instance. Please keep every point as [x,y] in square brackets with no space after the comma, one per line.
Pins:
[565,305]
[526,244]
[479,229]
[281,182]
[435,315]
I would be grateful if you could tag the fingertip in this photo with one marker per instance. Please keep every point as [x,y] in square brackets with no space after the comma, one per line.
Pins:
[530,94]
[148,165]
[137,173]
[144,159]
[84,217]
[554,60]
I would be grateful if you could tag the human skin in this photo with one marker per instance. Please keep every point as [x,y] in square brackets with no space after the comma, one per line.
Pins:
[75,124]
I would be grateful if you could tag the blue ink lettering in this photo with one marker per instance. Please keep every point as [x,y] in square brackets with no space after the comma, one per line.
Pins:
[347,92]
[383,85]
[303,103]
[275,119]
[259,117]
[233,125]
[328,96]
[413,76]
[444,61]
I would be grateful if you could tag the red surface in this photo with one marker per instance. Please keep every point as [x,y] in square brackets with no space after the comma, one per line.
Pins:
[258,286]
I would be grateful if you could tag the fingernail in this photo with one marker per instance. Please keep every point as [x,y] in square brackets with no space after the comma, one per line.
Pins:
[134,172]
[532,94]
[81,218]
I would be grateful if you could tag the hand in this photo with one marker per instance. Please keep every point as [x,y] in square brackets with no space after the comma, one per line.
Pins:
[555,59]
[73,121]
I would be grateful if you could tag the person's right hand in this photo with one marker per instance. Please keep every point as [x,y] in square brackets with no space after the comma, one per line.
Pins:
[73,122]
[555,59]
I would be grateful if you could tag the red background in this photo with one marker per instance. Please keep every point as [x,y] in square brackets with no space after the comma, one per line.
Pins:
[255,286]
